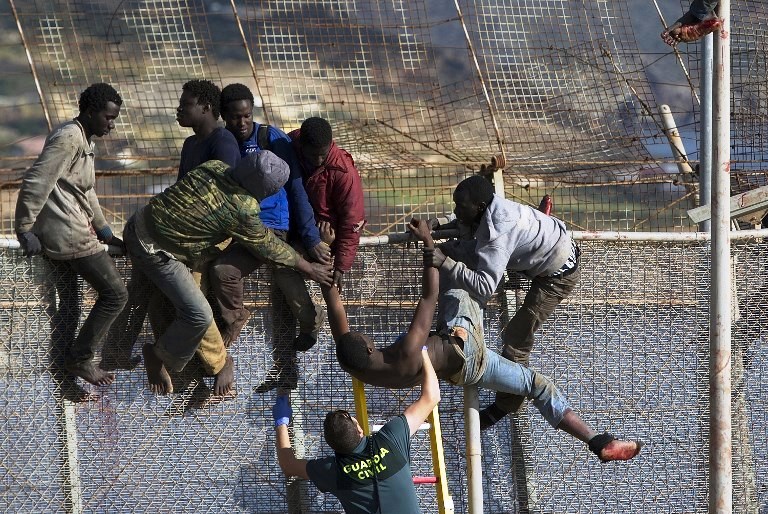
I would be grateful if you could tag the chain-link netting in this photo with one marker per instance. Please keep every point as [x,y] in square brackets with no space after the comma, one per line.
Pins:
[421,93]
[629,348]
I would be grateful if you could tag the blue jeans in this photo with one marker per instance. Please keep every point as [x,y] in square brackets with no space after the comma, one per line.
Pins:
[100,273]
[458,310]
[544,295]
[504,376]
[702,8]
[177,345]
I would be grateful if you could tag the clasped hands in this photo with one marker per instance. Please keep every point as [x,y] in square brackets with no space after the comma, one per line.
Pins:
[422,230]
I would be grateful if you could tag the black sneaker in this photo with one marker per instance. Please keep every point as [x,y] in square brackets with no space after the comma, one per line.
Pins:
[304,342]
[490,415]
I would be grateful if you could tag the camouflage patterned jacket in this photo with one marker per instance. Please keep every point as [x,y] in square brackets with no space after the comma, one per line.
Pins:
[205,208]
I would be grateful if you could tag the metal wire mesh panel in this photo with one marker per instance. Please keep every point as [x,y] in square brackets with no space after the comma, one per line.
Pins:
[629,350]
[420,93]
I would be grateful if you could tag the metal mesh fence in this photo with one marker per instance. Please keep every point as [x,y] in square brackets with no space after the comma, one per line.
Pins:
[420,93]
[629,350]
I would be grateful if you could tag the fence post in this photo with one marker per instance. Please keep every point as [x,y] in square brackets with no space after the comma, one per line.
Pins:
[720,429]
[71,467]
[474,450]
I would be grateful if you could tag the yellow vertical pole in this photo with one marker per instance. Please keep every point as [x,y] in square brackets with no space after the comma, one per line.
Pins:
[444,500]
[361,407]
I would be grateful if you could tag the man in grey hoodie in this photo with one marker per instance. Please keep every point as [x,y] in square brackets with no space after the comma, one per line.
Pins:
[58,213]
[509,237]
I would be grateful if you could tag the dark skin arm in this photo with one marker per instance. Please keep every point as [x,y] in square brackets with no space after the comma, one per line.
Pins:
[403,356]
[337,316]
[421,323]
[422,318]
[399,365]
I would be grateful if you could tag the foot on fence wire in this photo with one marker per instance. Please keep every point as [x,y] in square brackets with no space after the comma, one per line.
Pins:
[689,29]
[71,391]
[490,415]
[158,379]
[230,333]
[280,375]
[88,371]
[608,448]
[225,379]
[203,397]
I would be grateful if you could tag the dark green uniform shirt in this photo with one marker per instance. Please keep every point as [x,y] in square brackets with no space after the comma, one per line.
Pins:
[375,477]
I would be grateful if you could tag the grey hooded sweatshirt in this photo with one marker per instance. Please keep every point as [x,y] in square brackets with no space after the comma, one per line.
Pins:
[510,236]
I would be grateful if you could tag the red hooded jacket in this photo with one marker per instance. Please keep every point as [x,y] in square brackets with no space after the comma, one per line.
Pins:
[336,194]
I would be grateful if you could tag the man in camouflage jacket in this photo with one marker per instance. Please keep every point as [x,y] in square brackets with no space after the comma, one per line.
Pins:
[179,229]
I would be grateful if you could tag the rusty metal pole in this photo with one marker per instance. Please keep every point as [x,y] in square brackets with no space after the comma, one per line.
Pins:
[248,54]
[32,67]
[720,430]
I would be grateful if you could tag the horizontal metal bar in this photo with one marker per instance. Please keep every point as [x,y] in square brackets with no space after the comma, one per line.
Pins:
[583,235]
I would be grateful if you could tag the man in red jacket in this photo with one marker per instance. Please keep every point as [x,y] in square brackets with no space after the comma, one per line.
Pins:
[334,189]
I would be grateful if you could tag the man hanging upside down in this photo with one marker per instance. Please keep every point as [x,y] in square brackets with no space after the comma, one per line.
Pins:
[458,354]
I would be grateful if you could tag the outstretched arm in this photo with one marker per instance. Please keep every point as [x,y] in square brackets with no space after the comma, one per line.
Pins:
[419,410]
[291,466]
[425,309]
[337,316]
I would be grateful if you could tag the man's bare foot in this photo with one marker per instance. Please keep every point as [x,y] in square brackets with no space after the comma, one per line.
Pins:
[225,379]
[157,376]
[689,29]
[71,390]
[89,372]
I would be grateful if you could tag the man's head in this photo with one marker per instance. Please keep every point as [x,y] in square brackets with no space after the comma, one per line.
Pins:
[316,138]
[237,110]
[262,174]
[354,350]
[99,106]
[199,102]
[342,432]
[472,196]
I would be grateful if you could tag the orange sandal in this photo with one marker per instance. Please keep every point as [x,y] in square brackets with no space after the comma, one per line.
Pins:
[608,448]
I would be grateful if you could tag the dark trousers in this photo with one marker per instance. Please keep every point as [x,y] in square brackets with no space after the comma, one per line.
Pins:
[702,8]
[543,297]
[291,301]
[99,272]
